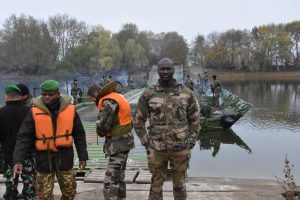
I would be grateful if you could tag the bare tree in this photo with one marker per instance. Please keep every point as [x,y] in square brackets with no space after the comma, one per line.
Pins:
[67,32]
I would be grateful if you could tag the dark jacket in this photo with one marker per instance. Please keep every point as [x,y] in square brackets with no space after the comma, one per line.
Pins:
[45,160]
[11,118]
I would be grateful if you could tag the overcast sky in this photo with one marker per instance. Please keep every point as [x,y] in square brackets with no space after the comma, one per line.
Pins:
[187,17]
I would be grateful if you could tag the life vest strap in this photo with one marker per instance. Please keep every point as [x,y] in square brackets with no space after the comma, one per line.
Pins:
[67,134]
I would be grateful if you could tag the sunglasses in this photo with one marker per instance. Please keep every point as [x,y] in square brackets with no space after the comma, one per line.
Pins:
[50,94]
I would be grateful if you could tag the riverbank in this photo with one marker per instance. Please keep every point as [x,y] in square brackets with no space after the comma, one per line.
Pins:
[245,76]
[255,76]
[194,71]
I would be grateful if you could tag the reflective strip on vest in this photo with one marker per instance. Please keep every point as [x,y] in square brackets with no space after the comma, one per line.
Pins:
[46,140]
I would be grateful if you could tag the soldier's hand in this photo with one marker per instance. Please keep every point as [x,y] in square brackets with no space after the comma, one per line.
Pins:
[82,164]
[18,169]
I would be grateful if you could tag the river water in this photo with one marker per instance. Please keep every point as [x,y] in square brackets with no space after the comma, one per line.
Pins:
[271,130]
[258,143]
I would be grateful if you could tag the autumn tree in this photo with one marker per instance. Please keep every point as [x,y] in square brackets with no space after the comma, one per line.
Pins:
[128,31]
[175,47]
[198,51]
[134,56]
[293,30]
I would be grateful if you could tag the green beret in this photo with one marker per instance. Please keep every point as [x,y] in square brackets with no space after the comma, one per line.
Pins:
[49,85]
[12,88]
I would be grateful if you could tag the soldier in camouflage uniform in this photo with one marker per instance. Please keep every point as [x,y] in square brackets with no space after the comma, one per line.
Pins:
[115,124]
[216,89]
[75,91]
[174,125]
[11,117]
[52,126]
[189,83]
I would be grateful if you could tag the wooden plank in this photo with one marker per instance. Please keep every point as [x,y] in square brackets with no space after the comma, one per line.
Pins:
[98,175]
[144,177]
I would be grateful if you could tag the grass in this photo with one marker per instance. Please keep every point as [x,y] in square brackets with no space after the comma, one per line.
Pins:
[288,183]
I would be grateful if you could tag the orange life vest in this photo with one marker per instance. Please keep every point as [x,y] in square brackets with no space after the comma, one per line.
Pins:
[124,114]
[46,138]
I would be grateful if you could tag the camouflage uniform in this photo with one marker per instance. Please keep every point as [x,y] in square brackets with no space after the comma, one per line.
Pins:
[216,89]
[27,177]
[174,125]
[75,91]
[66,180]
[104,81]
[190,84]
[117,148]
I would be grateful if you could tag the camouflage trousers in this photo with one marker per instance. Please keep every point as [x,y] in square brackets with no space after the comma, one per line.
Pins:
[65,179]
[215,99]
[114,184]
[27,176]
[158,164]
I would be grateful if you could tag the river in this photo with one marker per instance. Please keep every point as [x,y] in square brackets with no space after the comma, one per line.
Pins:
[271,129]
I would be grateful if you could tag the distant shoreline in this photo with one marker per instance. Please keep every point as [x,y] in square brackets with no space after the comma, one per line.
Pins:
[221,75]
[14,76]
[245,76]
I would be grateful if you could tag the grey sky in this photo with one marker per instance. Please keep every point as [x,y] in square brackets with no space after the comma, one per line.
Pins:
[187,17]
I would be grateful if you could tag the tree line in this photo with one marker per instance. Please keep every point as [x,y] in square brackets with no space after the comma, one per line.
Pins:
[65,45]
[264,48]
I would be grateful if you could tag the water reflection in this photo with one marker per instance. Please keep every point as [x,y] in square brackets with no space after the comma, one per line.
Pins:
[213,140]
[276,104]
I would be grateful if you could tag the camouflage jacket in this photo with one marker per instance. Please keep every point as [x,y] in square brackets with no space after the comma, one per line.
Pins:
[107,118]
[173,115]
[189,83]
[216,86]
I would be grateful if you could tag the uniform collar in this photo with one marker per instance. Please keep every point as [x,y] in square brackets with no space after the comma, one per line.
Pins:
[158,87]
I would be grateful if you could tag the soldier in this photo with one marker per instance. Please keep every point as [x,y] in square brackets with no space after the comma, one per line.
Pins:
[215,89]
[109,79]
[51,126]
[26,96]
[189,83]
[75,91]
[205,77]
[115,124]
[11,118]
[174,125]
[104,81]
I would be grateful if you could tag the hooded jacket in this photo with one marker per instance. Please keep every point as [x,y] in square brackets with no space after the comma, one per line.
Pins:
[63,158]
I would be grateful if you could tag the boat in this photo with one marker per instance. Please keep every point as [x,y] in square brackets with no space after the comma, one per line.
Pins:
[231,109]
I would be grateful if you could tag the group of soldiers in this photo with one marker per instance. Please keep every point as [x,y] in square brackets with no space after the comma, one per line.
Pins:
[38,140]
[215,87]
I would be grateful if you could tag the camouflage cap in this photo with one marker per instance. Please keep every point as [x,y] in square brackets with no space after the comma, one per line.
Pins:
[12,88]
[49,85]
